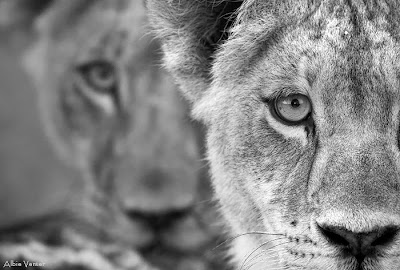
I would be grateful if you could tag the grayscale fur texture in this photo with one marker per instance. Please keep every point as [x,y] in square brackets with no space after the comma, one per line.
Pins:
[277,184]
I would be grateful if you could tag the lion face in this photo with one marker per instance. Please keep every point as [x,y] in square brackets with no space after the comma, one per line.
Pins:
[302,109]
[114,115]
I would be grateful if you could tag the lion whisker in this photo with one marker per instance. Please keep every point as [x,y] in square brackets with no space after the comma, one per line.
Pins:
[267,256]
[276,268]
[260,246]
[268,260]
[230,239]
[261,251]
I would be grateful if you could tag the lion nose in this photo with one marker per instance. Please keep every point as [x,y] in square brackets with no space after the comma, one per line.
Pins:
[360,245]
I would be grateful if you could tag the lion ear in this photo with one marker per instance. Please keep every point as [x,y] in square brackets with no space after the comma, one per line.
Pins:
[191,32]
[19,15]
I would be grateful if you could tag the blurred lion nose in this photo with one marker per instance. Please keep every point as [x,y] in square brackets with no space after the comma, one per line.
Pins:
[360,245]
[159,221]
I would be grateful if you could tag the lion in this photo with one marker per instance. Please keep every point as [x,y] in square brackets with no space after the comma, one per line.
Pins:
[301,104]
[115,116]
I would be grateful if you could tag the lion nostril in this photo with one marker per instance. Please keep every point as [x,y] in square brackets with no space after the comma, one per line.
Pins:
[362,244]
[346,239]
[333,237]
[386,236]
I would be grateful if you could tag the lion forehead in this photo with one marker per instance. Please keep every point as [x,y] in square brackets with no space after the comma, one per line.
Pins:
[366,25]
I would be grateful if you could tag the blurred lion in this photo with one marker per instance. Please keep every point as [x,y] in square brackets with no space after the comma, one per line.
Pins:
[114,115]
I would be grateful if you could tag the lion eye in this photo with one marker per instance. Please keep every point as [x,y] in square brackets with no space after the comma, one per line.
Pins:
[293,109]
[100,76]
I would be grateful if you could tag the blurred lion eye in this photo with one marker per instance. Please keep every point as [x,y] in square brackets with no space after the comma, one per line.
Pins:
[293,109]
[100,75]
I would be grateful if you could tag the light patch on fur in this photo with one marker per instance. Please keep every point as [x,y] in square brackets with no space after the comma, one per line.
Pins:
[289,132]
[301,80]
[102,100]
[317,173]
[334,28]
[358,221]
[207,108]
[32,58]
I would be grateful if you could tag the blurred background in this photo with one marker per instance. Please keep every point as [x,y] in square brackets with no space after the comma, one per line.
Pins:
[32,177]
[100,164]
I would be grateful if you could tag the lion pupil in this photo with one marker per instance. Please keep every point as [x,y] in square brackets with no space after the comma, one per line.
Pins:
[295,103]
[103,73]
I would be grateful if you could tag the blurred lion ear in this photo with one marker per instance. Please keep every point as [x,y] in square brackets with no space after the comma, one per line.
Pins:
[19,15]
[191,32]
